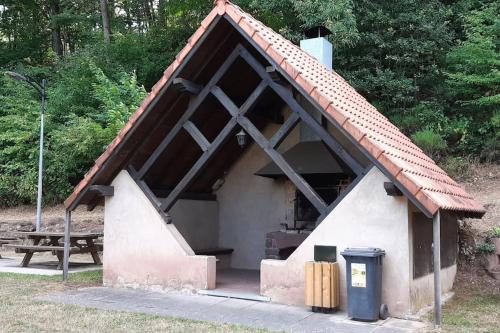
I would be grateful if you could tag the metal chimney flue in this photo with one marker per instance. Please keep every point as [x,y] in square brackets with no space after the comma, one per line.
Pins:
[318,46]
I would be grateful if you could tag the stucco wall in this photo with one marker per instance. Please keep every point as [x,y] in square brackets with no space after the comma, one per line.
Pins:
[142,250]
[366,217]
[198,222]
[422,288]
[251,206]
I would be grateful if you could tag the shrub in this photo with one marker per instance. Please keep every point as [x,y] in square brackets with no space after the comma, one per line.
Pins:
[486,248]
[429,141]
[494,233]
[457,167]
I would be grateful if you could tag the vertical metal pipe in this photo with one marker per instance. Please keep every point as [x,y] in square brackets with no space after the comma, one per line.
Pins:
[436,224]
[67,233]
[40,162]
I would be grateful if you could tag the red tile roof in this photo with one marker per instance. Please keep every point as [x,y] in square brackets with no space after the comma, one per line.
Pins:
[402,159]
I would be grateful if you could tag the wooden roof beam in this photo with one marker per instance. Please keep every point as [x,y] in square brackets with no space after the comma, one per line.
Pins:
[197,136]
[193,106]
[187,86]
[288,98]
[277,158]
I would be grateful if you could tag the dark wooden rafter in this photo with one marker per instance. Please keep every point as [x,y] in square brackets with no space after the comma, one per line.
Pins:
[337,126]
[217,143]
[238,118]
[148,193]
[102,190]
[168,202]
[208,31]
[187,86]
[277,158]
[195,133]
[193,106]
[273,73]
[195,77]
[289,99]
[284,130]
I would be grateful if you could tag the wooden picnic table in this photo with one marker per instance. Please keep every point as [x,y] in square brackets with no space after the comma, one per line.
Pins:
[80,242]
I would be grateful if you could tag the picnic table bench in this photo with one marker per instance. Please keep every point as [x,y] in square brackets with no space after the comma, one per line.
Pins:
[6,240]
[80,242]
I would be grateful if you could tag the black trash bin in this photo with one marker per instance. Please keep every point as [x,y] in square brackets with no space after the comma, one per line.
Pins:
[364,283]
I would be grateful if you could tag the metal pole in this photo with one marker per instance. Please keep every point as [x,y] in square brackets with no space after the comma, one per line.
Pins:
[436,224]
[67,230]
[40,163]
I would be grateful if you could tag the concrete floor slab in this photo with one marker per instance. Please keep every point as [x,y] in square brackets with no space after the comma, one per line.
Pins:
[44,265]
[274,317]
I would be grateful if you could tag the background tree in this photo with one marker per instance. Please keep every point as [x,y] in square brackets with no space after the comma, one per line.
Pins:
[429,65]
[106,29]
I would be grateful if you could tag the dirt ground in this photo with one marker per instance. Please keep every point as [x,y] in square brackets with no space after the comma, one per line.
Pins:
[484,186]
[22,218]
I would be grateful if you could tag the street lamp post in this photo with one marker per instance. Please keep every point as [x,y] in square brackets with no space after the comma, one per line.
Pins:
[41,91]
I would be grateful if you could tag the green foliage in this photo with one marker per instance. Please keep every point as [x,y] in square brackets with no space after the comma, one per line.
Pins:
[430,66]
[79,124]
[429,141]
[473,78]
[494,232]
[457,167]
[486,248]
[292,17]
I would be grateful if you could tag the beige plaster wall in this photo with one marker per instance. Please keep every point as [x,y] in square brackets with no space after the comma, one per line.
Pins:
[251,206]
[366,217]
[422,288]
[142,251]
[198,222]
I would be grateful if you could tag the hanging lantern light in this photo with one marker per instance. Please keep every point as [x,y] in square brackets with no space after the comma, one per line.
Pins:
[241,136]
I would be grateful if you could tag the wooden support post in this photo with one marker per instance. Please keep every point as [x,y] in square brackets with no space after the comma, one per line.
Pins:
[67,238]
[195,133]
[436,234]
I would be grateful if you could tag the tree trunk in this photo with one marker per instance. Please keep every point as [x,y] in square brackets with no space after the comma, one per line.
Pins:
[57,45]
[105,21]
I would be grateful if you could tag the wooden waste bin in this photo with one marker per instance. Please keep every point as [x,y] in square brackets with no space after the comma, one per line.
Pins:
[322,286]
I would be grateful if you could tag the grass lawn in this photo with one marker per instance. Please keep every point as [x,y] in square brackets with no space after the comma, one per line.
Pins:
[472,310]
[19,312]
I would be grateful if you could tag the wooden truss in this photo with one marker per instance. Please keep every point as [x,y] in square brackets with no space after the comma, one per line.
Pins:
[238,118]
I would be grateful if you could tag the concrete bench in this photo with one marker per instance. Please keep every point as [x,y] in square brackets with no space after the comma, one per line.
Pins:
[213,251]
[222,255]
